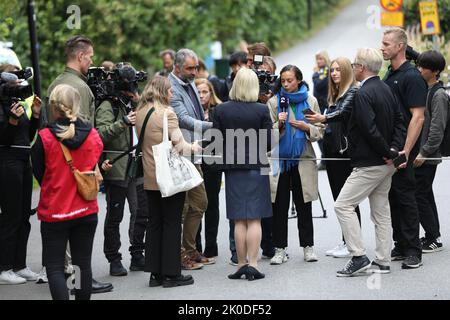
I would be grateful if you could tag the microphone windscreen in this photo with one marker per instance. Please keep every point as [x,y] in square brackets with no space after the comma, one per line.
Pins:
[284,103]
[8,77]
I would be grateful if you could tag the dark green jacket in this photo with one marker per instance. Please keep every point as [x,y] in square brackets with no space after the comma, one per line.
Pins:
[78,81]
[116,136]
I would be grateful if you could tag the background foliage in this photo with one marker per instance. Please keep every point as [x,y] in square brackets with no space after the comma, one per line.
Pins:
[137,30]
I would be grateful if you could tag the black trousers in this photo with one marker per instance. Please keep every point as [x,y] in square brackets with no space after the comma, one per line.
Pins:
[163,240]
[115,203]
[428,214]
[139,222]
[213,181]
[16,185]
[338,172]
[288,180]
[404,212]
[80,234]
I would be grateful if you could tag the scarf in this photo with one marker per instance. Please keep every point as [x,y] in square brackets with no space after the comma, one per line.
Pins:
[292,143]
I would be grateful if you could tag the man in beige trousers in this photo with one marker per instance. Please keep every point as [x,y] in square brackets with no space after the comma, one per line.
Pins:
[376,133]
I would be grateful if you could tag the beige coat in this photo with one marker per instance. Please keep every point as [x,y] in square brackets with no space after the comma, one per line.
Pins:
[153,136]
[307,169]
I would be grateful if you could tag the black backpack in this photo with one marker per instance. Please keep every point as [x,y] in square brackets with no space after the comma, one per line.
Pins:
[445,144]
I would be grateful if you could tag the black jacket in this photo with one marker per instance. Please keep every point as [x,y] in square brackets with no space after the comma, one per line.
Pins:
[20,135]
[376,125]
[335,140]
[235,117]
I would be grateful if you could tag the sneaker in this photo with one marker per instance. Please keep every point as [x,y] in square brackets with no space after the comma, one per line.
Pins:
[397,254]
[354,266]
[116,269]
[279,257]
[42,276]
[331,251]
[342,252]
[309,255]
[432,246]
[200,258]
[412,262]
[234,259]
[378,268]
[10,277]
[27,274]
[137,262]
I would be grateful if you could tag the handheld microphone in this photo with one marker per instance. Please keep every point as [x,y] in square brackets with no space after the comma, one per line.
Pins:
[284,103]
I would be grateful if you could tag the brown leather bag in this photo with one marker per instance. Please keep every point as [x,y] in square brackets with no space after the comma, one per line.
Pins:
[88,182]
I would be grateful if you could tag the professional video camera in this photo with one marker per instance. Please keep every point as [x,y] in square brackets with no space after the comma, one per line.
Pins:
[10,90]
[411,54]
[265,78]
[109,84]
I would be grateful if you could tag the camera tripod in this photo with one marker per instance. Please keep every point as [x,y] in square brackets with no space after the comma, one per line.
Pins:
[294,211]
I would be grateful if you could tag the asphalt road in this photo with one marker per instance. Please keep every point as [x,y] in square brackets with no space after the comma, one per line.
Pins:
[295,279]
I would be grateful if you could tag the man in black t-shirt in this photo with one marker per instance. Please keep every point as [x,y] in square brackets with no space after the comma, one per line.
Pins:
[411,91]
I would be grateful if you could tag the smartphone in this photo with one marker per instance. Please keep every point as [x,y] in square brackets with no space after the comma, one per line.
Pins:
[308,111]
[399,160]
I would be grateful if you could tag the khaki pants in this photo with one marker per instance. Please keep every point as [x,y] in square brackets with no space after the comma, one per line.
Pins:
[195,206]
[373,183]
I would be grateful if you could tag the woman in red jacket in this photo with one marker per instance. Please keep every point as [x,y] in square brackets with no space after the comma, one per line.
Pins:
[64,214]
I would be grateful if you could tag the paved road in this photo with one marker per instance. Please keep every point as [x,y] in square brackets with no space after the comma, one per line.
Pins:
[295,279]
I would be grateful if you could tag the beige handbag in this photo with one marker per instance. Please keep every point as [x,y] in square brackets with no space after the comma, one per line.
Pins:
[88,182]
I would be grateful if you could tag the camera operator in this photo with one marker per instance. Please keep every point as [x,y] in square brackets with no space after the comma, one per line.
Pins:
[19,121]
[237,61]
[115,119]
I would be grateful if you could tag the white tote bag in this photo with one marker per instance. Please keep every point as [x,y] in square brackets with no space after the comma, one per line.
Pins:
[174,173]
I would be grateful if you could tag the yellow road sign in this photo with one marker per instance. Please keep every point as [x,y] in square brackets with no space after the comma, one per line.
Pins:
[392,19]
[391,5]
[429,17]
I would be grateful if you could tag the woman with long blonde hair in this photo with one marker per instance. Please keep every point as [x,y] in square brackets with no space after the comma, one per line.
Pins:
[162,245]
[65,215]
[341,92]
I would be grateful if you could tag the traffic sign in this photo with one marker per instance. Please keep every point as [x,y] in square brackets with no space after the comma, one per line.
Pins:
[392,19]
[429,18]
[391,5]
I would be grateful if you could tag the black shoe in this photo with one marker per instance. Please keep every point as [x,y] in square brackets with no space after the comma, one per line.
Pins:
[137,262]
[98,287]
[378,268]
[234,259]
[116,269]
[412,262]
[397,254]
[432,246]
[253,274]
[211,252]
[181,280]
[354,265]
[101,287]
[238,274]
[156,280]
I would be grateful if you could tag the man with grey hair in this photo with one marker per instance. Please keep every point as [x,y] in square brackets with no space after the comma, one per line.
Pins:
[376,132]
[186,104]
[410,90]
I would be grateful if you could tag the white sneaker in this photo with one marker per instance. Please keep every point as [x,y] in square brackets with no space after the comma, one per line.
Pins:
[309,254]
[342,253]
[337,248]
[9,277]
[42,276]
[279,257]
[27,274]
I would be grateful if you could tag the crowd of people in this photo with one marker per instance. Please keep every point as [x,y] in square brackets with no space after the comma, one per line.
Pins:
[392,130]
